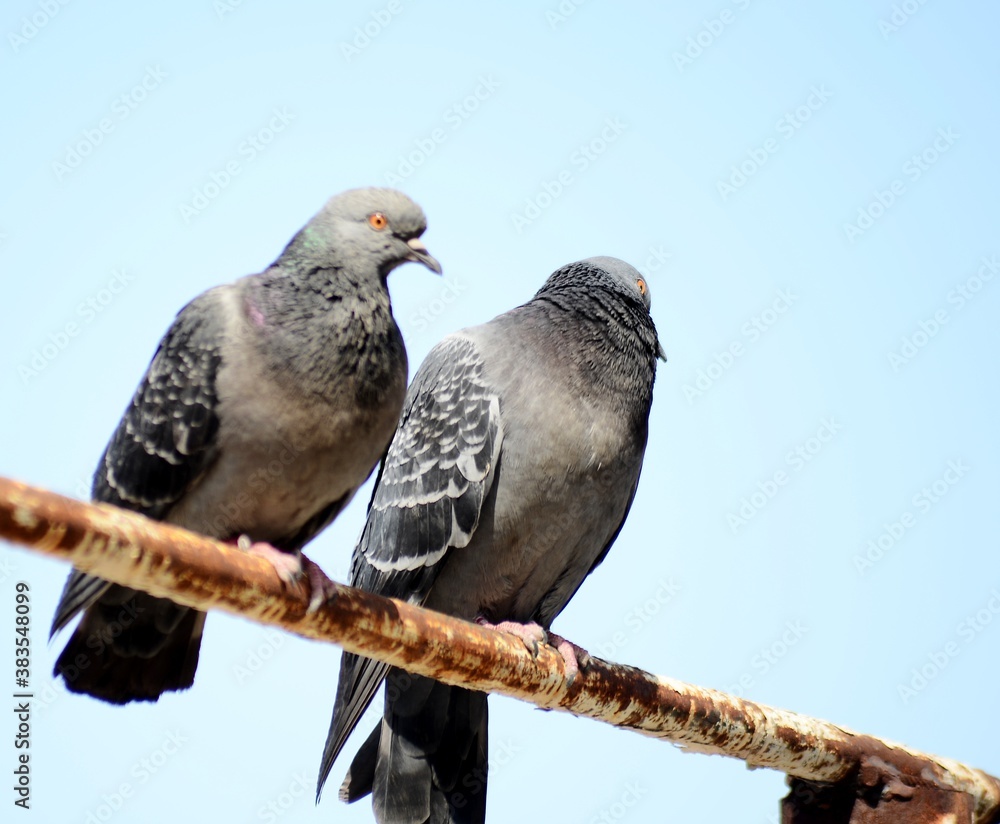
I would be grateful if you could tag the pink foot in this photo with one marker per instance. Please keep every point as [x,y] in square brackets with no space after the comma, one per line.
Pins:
[291,567]
[533,634]
[575,658]
[321,588]
[288,565]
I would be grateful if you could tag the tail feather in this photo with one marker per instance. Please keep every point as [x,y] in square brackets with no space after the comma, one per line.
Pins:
[80,592]
[361,776]
[427,761]
[359,680]
[460,763]
[130,646]
[401,793]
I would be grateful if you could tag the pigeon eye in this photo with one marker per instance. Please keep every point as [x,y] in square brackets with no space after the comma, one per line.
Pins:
[378,221]
[642,286]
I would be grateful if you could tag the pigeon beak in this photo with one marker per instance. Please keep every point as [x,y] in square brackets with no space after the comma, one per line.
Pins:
[419,254]
[660,353]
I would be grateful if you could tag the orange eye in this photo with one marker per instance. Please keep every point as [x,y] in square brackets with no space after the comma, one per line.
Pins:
[378,221]
[642,286]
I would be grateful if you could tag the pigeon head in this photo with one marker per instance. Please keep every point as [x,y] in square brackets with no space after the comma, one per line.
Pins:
[627,279]
[609,274]
[362,231]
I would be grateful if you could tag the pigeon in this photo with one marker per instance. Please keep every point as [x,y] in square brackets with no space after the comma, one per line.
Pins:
[509,477]
[269,401]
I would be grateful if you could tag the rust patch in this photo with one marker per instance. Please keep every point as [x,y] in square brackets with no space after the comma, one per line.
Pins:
[830,763]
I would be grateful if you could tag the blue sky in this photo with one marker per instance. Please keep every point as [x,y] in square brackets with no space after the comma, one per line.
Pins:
[812,195]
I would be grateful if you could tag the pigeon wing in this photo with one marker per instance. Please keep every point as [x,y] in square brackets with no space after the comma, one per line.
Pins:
[430,493]
[166,439]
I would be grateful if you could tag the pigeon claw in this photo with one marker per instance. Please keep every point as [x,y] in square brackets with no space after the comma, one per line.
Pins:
[288,565]
[575,658]
[321,588]
[292,567]
[531,633]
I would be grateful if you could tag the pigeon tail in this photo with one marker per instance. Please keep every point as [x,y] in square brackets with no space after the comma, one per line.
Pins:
[427,761]
[132,648]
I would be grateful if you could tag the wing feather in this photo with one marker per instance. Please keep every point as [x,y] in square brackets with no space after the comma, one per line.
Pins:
[430,493]
[166,439]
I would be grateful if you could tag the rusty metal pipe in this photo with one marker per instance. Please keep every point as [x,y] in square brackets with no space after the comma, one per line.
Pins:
[200,572]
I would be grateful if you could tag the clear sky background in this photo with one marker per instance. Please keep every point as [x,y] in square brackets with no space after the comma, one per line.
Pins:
[812,193]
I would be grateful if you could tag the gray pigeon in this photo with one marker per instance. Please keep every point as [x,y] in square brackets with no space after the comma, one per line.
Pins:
[509,477]
[267,404]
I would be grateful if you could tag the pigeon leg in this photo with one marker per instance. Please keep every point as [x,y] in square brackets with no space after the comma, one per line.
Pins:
[291,567]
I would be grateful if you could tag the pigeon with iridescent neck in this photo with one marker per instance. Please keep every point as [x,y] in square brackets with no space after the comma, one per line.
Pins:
[267,404]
